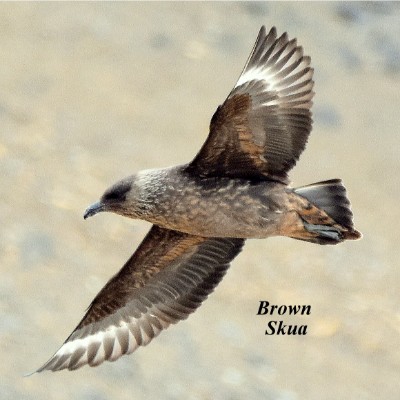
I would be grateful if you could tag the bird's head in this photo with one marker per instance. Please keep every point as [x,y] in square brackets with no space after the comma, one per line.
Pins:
[118,199]
[134,196]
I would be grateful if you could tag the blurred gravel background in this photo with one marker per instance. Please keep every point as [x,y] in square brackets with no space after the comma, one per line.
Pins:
[90,93]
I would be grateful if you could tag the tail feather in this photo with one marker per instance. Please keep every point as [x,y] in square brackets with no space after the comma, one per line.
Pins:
[331,197]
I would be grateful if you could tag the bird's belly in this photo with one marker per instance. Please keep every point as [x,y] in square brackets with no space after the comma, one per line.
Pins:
[240,226]
[219,218]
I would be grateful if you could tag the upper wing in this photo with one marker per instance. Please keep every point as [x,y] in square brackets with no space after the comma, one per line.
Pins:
[165,280]
[262,127]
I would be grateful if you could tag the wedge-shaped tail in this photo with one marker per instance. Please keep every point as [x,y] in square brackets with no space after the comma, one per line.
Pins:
[326,216]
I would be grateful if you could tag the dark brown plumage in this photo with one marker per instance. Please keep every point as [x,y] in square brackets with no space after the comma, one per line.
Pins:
[235,188]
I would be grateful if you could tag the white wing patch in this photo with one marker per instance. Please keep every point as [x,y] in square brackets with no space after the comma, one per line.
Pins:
[109,344]
[281,67]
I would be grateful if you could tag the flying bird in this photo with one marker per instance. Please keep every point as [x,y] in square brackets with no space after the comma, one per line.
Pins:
[235,188]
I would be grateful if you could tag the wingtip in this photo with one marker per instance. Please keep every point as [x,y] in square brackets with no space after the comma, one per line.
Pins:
[262,33]
[29,374]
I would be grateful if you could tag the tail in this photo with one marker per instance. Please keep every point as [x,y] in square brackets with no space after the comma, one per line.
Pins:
[325,213]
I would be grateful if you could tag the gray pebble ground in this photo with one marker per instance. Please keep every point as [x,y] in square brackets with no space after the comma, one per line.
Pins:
[91,92]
